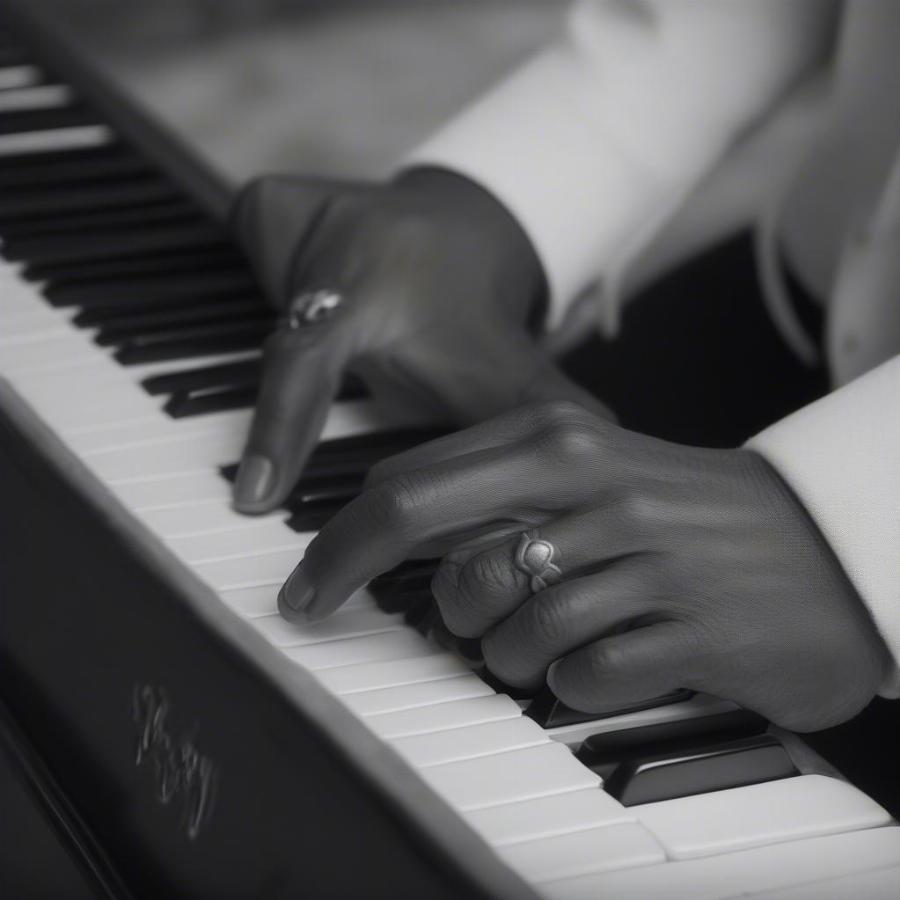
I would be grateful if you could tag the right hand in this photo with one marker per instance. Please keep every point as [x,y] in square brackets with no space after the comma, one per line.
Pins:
[440,284]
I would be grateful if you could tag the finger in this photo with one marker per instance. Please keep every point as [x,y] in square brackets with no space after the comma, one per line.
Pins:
[625,669]
[301,375]
[569,615]
[476,590]
[514,425]
[383,526]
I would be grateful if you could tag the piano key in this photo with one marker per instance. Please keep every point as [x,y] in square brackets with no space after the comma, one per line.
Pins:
[685,771]
[178,491]
[139,192]
[58,352]
[199,340]
[13,56]
[229,374]
[549,712]
[36,142]
[178,320]
[396,673]
[250,602]
[43,97]
[545,817]
[29,121]
[80,227]
[15,77]
[397,644]
[880,884]
[507,777]
[739,818]
[425,750]
[583,852]
[191,288]
[203,517]
[257,536]
[393,699]
[181,406]
[443,716]
[116,243]
[216,259]
[744,873]
[264,568]
[91,166]
[350,623]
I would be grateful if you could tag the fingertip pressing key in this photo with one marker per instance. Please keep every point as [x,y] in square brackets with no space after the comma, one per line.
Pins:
[253,484]
[296,595]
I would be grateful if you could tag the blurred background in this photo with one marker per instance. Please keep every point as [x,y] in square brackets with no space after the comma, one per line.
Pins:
[332,87]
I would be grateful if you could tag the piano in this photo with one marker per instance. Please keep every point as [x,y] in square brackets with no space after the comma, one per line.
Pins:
[183,739]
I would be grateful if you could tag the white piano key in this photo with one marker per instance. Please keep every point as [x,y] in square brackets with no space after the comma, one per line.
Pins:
[443,716]
[882,884]
[250,602]
[371,648]
[51,353]
[396,673]
[264,568]
[343,624]
[507,777]
[173,492]
[205,518]
[257,536]
[410,696]
[45,96]
[424,750]
[55,139]
[545,817]
[15,77]
[748,872]
[583,852]
[738,818]
[35,324]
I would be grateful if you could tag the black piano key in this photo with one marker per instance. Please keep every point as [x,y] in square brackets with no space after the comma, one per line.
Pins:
[124,328]
[102,168]
[605,751]
[688,771]
[183,405]
[24,120]
[238,374]
[98,315]
[139,192]
[312,516]
[549,712]
[109,150]
[198,261]
[338,488]
[12,55]
[146,288]
[206,340]
[114,244]
[82,225]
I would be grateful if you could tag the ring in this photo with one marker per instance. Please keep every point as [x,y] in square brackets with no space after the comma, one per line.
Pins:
[312,307]
[534,558]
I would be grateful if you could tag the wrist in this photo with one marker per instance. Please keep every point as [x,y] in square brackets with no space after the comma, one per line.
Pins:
[518,269]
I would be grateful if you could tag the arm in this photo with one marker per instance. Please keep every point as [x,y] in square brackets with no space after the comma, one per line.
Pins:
[593,143]
[841,456]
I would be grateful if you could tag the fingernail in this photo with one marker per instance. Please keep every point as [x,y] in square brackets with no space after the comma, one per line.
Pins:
[255,479]
[297,593]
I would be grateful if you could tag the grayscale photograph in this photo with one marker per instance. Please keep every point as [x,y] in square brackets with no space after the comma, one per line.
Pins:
[449,449]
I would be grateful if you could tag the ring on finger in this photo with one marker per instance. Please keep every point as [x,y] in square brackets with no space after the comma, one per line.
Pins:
[534,558]
[313,307]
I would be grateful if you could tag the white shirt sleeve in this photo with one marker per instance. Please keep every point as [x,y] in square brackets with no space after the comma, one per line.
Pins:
[593,143]
[841,456]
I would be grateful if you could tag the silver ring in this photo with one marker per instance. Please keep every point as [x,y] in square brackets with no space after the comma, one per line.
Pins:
[534,558]
[313,307]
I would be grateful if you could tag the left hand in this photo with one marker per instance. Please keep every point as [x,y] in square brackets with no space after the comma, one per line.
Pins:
[680,567]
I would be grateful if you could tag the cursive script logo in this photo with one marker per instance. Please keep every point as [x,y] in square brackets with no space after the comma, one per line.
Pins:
[181,774]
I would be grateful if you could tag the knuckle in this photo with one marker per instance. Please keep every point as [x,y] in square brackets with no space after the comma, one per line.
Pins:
[393,503]
[487,573]
[556,413]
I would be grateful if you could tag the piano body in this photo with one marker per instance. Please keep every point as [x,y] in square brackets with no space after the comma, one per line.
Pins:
[182,738]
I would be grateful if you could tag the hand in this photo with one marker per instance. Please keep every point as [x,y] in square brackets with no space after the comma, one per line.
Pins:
[680,567]
[439,282]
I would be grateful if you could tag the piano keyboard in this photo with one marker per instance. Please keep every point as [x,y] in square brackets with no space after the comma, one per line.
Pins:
[131,326]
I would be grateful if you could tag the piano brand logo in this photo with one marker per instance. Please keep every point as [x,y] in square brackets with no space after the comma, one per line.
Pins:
[182,775]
